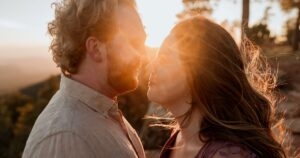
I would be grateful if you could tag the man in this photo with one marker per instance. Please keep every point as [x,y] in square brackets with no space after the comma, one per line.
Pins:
[98,45]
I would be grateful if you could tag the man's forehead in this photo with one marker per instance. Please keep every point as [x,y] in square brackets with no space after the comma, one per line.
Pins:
[129,22]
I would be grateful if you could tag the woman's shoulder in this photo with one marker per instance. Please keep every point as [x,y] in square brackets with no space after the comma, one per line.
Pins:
[225,149]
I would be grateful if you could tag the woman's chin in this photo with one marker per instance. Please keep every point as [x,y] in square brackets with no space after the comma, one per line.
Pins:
[152,96]
[156,97]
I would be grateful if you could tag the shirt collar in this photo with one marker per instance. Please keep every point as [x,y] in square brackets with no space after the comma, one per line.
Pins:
[87,95]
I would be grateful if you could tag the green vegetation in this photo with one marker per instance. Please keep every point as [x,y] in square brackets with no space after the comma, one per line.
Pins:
[18,112]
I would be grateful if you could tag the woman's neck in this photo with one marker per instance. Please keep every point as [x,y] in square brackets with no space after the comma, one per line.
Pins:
[187,142]
[190,127]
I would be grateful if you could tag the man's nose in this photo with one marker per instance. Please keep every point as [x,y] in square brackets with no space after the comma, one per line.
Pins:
[143,52]
[142,55]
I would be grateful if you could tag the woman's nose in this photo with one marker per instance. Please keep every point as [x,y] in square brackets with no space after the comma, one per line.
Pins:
[153,65]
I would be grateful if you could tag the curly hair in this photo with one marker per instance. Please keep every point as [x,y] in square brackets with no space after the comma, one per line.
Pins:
[75,21]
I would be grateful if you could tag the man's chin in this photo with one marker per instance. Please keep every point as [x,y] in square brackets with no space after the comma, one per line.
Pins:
[122,86]
[130,87]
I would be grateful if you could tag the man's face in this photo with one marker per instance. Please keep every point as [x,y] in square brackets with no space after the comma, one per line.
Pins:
[125,51]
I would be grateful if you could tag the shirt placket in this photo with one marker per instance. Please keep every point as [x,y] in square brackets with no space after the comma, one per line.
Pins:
[118,116]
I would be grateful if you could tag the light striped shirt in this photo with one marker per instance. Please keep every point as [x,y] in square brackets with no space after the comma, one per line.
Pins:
[79,122]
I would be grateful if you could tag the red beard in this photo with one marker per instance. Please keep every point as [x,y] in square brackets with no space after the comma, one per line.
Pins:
[123,76]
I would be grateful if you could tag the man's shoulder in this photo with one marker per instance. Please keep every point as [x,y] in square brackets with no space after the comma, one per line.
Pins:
[59,113]
[63,114]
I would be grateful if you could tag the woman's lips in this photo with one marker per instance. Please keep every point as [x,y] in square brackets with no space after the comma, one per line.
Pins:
[152,80]
[150,83]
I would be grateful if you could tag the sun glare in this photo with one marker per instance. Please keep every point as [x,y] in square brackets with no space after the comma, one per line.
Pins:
[158,17]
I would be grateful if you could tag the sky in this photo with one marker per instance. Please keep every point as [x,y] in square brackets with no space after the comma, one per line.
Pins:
[24,23]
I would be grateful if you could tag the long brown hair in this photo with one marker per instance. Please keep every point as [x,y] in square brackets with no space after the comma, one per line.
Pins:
[232,87]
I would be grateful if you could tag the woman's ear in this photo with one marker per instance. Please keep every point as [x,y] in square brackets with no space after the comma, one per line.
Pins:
[96,50]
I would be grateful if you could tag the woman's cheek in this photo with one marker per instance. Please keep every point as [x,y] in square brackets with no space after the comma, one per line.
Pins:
[167,92]
[169,84]
[158,92]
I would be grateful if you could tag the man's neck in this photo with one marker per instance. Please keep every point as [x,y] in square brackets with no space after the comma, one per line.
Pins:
[92,83]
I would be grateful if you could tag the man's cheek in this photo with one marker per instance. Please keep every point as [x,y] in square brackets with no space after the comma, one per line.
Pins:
[117,68]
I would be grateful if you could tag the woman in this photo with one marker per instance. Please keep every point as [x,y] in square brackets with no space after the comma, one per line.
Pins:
[221,97]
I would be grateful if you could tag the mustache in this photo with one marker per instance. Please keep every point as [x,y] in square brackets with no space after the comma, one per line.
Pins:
[136,63]
[127,67]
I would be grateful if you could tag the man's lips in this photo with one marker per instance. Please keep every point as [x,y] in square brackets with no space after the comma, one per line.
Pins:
[137,67]
[137,70]
[133,69]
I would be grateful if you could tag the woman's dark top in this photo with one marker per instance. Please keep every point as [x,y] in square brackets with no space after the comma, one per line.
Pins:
[220,149]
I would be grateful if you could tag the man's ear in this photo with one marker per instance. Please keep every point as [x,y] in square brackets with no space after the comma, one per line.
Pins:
[96,50]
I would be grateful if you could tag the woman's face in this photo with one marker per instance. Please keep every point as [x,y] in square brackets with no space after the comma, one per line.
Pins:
[168,80]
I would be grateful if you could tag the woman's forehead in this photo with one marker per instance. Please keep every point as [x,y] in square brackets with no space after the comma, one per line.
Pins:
[169,43]
[169,48]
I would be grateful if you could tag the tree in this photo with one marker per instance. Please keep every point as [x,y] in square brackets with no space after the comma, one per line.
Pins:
[289,31]
[245,19]
[9,116]
[196,7]
[18,112]
[204,7]
[288,5]
[260,33]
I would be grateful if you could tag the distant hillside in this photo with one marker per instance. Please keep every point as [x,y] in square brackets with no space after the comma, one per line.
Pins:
[18,112]
[33,90]
[20,74]
[21,66]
